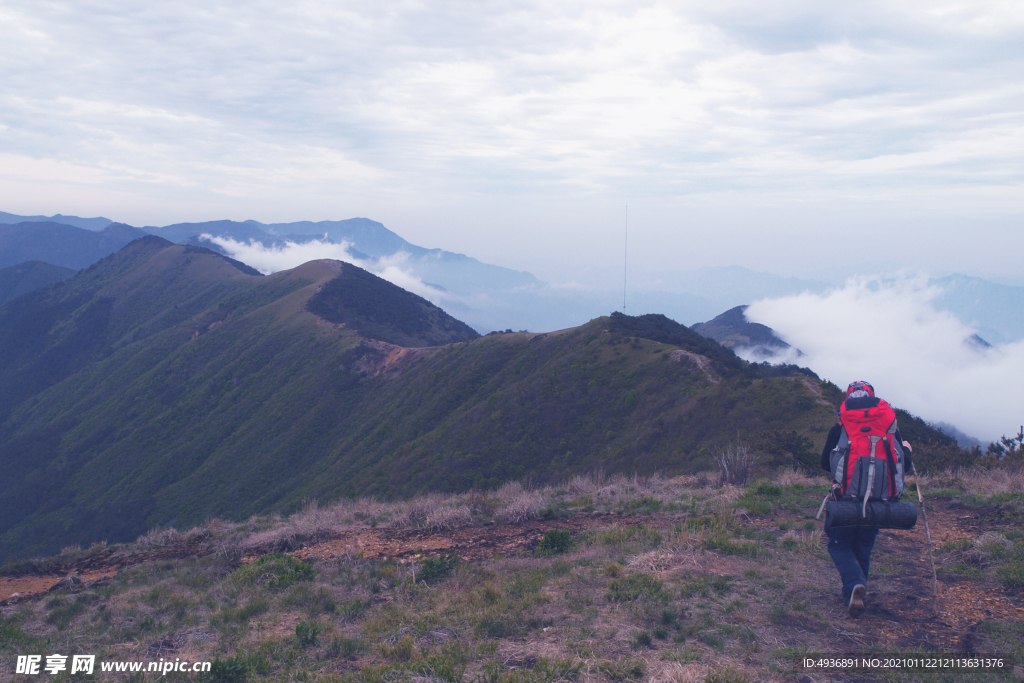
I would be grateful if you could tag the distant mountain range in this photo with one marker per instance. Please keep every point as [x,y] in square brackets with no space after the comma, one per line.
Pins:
[996,311]
[84,223]
[490,297]
[61,245]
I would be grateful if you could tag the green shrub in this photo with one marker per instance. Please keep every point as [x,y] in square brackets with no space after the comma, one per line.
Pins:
[437,567]
[767,490]
[640,534]
[705,586]
[495,628]
[642,505]
[727,675]
[345,648]
[641,640]
[307,633]
[1012,574]
[354,608]
[711,640]
[64,613]
[728,546]
[10,631]
[954,546]
[276,572]
[624,669]
[555,542]
[447,664]
[634,586]
[230,670]
[543,671]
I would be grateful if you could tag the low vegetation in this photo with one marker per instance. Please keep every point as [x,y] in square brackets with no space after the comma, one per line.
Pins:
[696,582]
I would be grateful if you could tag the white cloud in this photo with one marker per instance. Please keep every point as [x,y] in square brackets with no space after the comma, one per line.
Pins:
[920,359]
[395,269]
[322,109]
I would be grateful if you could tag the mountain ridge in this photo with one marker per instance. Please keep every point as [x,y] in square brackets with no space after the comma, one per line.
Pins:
[493,297]
[164,384]
[94,224]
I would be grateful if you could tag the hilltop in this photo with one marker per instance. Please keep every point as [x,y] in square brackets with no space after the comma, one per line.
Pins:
[732,330]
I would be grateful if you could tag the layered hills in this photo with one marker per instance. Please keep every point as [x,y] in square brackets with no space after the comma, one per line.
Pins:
[60,244]
[97,223]
[491,297]
[167,383]
[29,276]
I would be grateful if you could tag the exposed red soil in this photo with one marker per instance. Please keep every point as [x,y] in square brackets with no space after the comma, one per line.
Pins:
[469,543]
[475,542]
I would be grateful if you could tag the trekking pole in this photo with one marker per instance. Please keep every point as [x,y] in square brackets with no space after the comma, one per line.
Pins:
[928,533]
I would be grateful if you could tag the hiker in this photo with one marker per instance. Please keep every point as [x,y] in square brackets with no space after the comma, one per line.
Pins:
[850,547]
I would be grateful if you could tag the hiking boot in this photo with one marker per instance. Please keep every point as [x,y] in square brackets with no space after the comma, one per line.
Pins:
[856,606]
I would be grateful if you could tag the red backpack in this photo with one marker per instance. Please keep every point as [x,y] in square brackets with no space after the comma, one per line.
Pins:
[868,462]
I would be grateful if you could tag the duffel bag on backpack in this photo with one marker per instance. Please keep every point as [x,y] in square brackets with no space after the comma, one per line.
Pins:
[877,513]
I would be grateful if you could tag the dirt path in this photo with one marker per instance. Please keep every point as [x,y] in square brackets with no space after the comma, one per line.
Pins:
[900,609]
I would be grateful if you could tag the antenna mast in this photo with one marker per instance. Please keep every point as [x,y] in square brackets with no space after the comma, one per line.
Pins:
[625,259]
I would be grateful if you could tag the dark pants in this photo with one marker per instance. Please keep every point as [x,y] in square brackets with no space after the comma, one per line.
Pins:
[850,548]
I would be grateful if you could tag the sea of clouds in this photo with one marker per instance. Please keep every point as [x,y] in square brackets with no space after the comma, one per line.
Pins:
[886,331]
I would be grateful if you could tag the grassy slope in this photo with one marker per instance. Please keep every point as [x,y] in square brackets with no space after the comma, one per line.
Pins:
[207,391]
[683,583]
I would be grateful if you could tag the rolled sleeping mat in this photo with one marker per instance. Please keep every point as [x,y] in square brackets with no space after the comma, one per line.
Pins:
[881,514]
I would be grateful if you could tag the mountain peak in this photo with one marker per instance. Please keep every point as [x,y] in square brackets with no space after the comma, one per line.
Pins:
[732,330]
[377,309]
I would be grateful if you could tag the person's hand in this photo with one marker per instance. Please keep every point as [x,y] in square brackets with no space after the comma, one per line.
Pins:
[906,444]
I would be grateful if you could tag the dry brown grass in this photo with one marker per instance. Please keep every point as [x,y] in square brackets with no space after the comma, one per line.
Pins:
[681,673]
[518,503]
[790,478]
[977,481]
[991,482]
[161,538]
[449,517]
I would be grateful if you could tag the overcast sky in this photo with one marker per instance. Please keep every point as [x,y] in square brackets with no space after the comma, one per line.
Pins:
[799,138]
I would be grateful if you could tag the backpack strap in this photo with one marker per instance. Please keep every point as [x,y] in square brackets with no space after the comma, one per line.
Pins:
[871,474]
[892,467]
[891,434]
[844,442]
